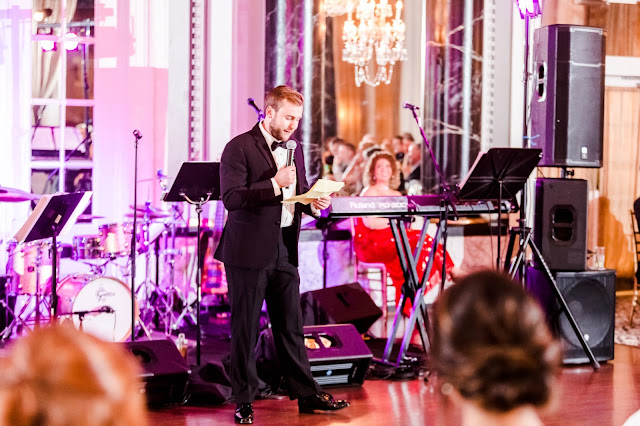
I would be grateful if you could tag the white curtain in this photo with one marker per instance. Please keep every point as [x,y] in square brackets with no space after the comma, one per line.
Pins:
[15,151]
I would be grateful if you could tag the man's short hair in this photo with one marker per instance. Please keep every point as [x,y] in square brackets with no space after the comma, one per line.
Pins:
[282,93]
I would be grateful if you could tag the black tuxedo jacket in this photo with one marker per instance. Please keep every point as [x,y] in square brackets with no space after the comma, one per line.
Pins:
[250,236]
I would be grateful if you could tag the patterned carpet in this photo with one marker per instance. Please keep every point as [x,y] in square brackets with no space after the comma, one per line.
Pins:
[625,334]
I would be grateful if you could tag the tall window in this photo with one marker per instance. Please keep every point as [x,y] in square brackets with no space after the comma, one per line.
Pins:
[62,96]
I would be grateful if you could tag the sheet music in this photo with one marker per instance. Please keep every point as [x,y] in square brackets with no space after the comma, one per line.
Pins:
[321,188]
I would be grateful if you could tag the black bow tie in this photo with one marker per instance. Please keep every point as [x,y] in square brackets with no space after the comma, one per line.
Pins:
[278,144]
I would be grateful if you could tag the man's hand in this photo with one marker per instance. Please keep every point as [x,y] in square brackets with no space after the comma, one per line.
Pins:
[322,203]
[285,176]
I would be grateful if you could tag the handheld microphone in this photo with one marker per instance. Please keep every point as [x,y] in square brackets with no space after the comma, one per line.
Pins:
[291,147]
[407,105]
[107,309]
[137,134]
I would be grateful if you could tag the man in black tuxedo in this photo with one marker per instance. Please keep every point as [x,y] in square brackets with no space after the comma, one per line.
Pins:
[259,248]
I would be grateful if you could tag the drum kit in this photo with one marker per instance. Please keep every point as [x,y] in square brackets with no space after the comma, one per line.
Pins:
[99,302]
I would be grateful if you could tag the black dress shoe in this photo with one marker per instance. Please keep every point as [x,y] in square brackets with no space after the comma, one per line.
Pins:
[320,401]
[244,414]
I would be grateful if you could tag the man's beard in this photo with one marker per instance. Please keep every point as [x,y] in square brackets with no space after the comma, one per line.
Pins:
[278,134]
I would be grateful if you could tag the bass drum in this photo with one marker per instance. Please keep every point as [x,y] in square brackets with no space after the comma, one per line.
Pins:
[100,306]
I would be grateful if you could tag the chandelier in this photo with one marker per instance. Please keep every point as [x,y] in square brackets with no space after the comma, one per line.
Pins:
[336,7]
[375,35]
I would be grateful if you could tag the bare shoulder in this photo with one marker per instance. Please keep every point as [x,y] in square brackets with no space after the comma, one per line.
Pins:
[372,191]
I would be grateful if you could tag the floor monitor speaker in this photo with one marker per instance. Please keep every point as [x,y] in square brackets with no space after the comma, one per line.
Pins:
[337,355]
[164,371]
[343,304]
[591,297]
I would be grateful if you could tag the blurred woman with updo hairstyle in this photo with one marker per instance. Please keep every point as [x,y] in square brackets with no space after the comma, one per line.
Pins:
[373,239]
[493,351]
[59,376]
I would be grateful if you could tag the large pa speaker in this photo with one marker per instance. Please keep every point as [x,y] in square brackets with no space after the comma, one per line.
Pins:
[165,372]
[337,355]
[343,304]
[591,298]
[560,224]
[567,106]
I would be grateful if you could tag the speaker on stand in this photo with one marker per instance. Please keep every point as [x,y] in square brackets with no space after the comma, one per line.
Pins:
[560,223]
[567,106]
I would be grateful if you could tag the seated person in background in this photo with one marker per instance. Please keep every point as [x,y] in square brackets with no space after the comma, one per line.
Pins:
[387,145]
[493,351]
[329,155]
[399,147]
[412,170]
[58,375]
[373,239]
[344,154]
[352,175]
[411,166]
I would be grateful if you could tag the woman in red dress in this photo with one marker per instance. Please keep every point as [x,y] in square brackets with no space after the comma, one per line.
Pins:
[374,241]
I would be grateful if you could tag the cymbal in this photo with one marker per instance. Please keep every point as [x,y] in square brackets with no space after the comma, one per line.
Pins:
[89,216]
[154,179]
[151,215]
[12,195]
[144,208]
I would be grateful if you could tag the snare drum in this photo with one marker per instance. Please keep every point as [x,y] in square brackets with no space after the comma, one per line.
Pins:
[115,239]
[105,304]
[22,268]
[87,247]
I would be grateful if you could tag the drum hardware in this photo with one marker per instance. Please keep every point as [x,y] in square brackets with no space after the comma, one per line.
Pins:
[29,274]
[149,234]
[173,295]
[196,183]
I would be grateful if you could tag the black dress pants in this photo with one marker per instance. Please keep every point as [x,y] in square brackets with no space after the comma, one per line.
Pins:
[279,284]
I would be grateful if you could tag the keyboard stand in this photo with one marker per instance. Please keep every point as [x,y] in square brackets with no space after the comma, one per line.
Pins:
[413,289]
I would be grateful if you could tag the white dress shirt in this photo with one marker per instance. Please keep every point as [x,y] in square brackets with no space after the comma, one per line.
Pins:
[280,157]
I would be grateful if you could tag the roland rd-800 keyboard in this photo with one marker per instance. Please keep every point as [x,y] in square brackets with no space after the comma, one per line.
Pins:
[412,205]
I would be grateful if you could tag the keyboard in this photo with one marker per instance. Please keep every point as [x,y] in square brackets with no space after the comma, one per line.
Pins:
[402,206]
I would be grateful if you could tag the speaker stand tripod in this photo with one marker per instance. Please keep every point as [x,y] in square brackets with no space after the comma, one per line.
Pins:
[525,241]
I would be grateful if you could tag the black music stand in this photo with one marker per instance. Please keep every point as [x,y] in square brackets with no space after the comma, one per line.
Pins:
[53,216]
[499,174]
[197,182]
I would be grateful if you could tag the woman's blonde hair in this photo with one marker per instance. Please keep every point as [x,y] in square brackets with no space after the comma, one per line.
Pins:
[368,176]
[58,375]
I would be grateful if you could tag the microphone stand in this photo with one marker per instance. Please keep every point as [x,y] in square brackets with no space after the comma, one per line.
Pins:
[137,136]
[252,104]
[447,203]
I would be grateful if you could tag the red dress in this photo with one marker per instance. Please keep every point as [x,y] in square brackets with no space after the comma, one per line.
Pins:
[378,246]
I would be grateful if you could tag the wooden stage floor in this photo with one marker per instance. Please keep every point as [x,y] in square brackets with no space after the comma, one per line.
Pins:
[584,397]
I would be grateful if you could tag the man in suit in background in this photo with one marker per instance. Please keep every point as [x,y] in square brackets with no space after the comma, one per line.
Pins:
[259,248]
